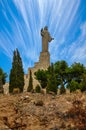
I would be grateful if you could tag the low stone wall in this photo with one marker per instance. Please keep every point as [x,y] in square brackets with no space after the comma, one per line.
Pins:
[6,87]
[43,64]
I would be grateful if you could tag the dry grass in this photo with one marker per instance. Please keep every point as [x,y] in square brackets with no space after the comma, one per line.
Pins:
[78,115]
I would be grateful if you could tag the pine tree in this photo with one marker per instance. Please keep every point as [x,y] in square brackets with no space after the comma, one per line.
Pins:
[30,86]
[16,73]
[51,84]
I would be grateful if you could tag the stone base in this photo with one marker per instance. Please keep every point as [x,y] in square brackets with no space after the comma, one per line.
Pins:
[44,63]
[44,60]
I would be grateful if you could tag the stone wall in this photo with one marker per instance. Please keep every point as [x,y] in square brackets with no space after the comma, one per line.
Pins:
[26,82]
[44,62]
[6,88]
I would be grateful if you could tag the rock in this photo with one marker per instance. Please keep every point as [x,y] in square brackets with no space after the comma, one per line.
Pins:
[39,103]
[32,111]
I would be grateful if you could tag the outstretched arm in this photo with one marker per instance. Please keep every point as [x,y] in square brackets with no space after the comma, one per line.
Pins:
[42,32]
[52,38]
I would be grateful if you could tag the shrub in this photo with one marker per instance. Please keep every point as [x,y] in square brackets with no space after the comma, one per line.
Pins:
[83,83]
[16,90]
[38,89]
[30,86]
[73,86]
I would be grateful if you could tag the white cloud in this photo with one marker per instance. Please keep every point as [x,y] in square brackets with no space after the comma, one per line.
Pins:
[59,15]
[78,48]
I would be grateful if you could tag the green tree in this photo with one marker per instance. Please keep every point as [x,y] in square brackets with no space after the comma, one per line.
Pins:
[16,79]
[52,82]
[61,72]
[2,79]
[83,83]
[38,89]
[73,86]
[77,70]
[41,76]
[30,87]
[62,75]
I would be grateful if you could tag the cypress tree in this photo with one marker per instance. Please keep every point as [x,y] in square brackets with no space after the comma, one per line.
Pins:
[16,73]
[38,89]
[30,86]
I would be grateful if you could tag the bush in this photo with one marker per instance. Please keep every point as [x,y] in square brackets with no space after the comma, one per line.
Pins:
[38,89]
[51,85]
[30,86]
[16,90]
[83,83]
[73,86]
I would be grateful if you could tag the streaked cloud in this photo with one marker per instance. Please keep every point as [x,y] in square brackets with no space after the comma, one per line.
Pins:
[23,20]
[78,48]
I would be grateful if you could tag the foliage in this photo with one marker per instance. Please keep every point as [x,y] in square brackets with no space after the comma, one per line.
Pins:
[75,76]
[41,76]
[77,70]
[51,84]
[2,79]
[38,89]
[73,86]
[63,75]
[2,76]
[30,87]
[83,83]
[61,71]
[16,74]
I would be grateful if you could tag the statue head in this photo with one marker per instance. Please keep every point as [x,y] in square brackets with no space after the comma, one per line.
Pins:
[45,28]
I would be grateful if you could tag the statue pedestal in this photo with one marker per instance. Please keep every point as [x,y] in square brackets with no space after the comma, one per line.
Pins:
[44,63]
[44,60]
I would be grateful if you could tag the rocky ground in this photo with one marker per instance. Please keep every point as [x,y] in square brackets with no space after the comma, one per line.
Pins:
[32,111]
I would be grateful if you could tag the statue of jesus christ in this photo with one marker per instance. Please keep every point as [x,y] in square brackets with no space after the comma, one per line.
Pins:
[45,39]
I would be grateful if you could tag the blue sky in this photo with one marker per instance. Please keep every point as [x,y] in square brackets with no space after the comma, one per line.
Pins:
[22,20]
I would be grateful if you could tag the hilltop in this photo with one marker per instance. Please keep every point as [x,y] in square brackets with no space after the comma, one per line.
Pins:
[32,111]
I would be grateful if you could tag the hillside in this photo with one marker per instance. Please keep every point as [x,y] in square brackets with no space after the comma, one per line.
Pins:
[31,111]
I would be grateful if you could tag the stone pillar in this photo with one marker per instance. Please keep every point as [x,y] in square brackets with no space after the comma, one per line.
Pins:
[44,60]
[26,82]
[6,88]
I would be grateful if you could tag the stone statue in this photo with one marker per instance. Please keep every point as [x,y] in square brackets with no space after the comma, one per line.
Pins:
[45,39]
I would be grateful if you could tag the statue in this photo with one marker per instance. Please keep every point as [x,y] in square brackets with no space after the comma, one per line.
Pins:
[45,39]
